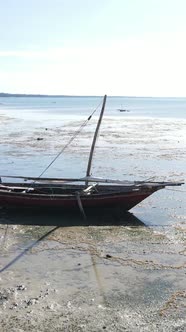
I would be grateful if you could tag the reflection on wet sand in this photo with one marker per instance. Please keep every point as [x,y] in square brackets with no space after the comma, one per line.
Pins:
[111,217]
[26,250]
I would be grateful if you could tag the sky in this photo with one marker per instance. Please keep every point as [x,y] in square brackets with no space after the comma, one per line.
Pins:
[93,47]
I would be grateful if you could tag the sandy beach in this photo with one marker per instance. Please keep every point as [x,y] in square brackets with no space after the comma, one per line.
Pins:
[120,272]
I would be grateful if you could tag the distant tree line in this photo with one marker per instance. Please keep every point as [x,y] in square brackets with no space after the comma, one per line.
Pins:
[3,94]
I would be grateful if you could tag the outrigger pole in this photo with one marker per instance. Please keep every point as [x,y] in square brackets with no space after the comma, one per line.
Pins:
[94,140]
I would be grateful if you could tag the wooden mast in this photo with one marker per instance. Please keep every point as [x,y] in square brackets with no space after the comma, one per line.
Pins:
[94,139]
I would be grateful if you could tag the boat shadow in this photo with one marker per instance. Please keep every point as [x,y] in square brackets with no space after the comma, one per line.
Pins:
[95,217]
[57,220]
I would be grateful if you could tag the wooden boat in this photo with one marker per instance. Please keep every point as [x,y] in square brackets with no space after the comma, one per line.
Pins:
[73,194]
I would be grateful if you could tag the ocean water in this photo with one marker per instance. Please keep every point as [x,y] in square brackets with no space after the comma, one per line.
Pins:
[79,106]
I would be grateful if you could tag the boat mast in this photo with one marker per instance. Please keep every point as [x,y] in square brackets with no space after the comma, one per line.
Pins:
[94,139]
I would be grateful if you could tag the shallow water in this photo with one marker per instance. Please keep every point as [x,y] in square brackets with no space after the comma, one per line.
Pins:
[135,106]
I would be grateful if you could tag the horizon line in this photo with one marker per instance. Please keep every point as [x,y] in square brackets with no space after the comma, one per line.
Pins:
[8,94]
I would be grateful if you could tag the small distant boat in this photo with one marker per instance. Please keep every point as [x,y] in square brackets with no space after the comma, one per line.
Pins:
[73,194]
[123,110]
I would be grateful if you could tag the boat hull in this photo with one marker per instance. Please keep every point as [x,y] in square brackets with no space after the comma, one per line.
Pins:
[125,200]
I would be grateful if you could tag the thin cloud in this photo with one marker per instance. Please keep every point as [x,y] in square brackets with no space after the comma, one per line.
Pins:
[22,54]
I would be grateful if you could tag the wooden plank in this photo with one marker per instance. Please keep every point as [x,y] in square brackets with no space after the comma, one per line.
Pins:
[91,179]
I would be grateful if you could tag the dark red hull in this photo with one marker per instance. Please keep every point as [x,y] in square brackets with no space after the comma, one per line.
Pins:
[125,200]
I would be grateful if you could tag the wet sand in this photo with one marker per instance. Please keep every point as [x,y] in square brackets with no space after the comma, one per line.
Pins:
[116,272]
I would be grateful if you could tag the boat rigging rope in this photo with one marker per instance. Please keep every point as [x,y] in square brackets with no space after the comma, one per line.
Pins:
[77,132]
[182,191]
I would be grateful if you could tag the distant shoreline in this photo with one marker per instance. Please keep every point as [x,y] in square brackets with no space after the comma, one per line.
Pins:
[21,95]
[3,94]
